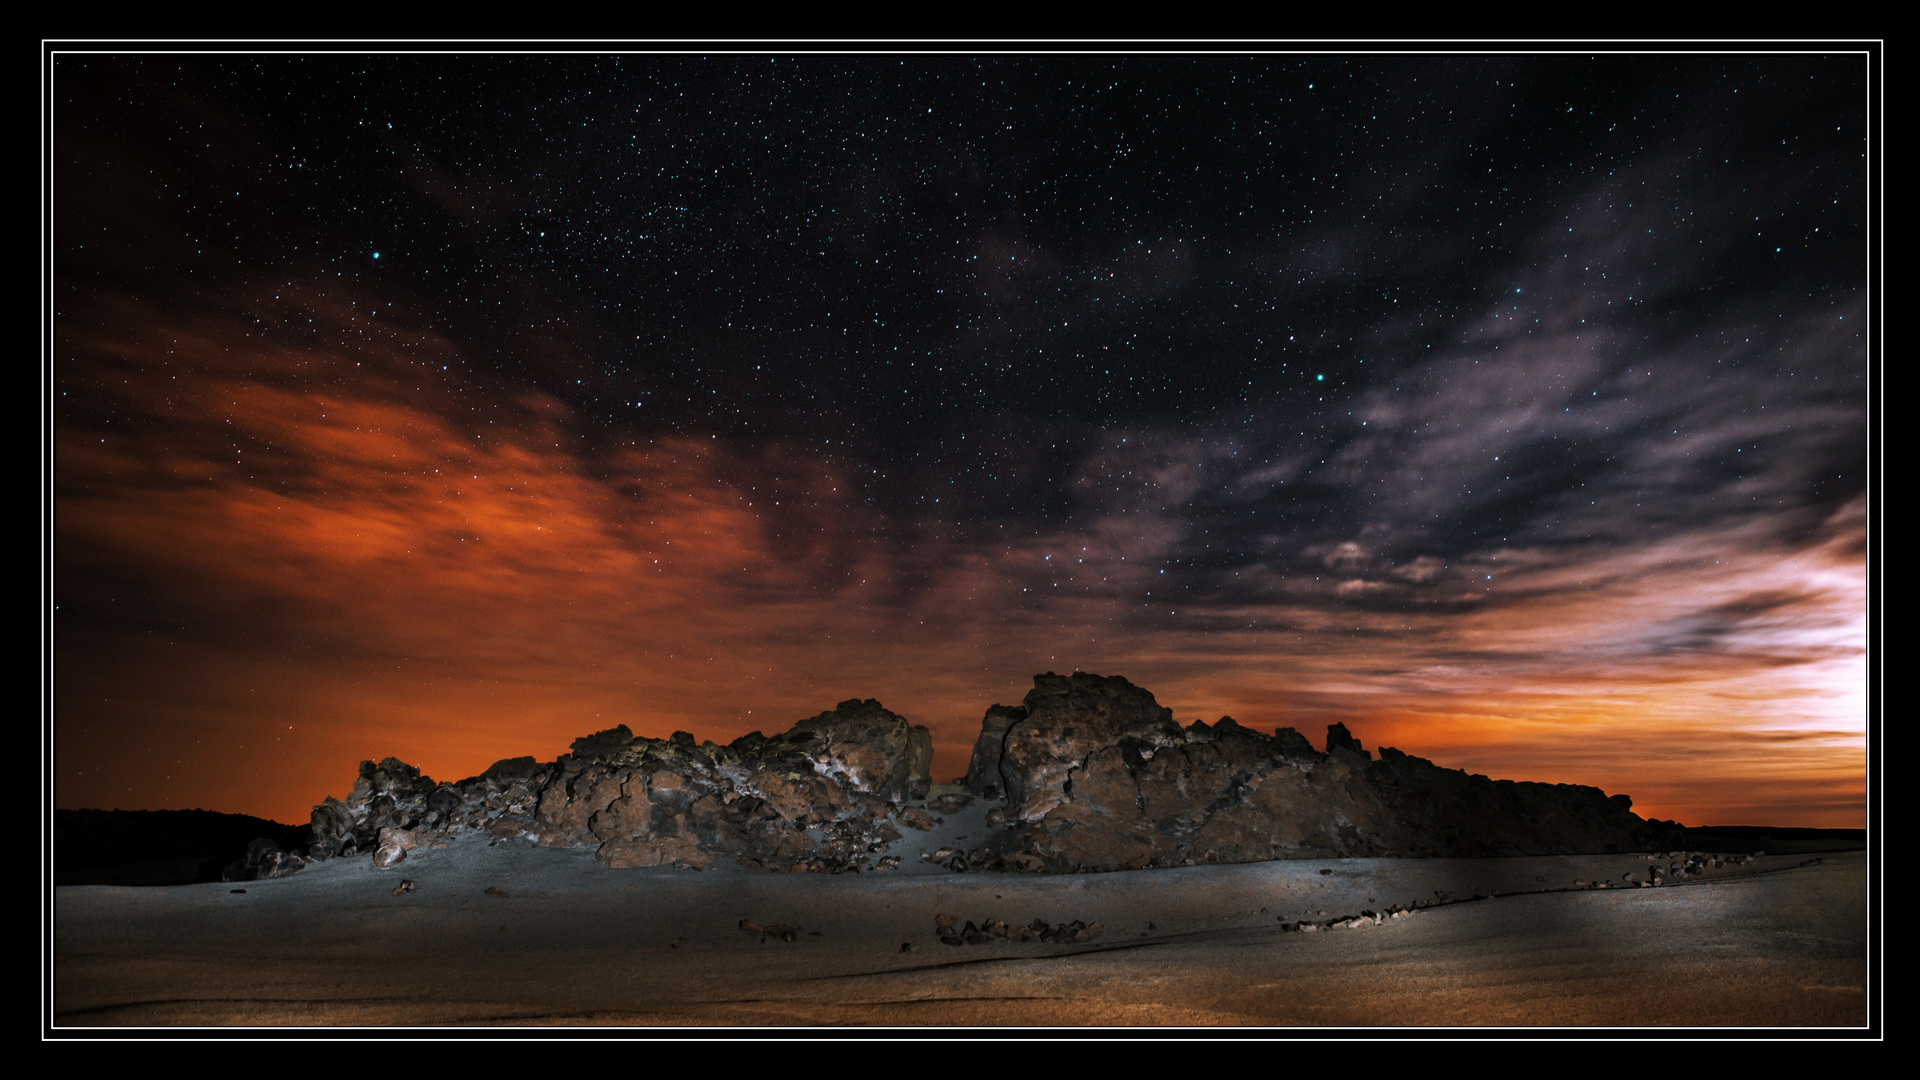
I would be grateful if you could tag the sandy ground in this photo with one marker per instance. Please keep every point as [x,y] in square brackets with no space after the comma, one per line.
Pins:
[1779,943]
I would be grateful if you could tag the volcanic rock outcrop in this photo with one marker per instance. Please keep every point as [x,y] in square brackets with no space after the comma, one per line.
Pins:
[815,797]
[1098,776]
[1095,775]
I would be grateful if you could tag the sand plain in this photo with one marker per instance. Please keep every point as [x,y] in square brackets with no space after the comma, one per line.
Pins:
[1513,942]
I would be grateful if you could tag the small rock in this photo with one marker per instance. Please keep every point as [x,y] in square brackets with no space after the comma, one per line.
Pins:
[406,885]
[952,802]
[498,893]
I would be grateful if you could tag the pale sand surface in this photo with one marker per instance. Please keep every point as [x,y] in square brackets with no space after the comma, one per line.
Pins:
[1780,943]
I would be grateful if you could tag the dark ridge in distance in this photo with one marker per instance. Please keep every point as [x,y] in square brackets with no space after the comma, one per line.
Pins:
[1763,831]
[157,847]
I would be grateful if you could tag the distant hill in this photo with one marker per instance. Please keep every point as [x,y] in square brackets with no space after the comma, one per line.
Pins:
[156,847]
[1778,839]
[1764,831]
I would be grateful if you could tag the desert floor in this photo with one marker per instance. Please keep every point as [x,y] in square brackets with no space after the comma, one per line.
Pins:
[1782,942]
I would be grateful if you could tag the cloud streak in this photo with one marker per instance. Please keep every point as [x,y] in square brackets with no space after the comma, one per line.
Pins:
[1590,509]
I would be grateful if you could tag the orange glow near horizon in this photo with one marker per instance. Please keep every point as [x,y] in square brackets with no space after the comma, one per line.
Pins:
[376,565]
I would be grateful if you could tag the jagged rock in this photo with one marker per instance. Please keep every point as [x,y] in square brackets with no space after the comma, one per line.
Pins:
[1099,777]
[1095,774]
[868,748]
[264,859]
[600,746]
[814,796]
[1291,744]
[1069,719]
[507,770]
[1339,736]
[332,825]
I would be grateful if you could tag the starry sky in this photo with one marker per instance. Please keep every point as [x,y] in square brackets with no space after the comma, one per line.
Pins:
[1511,410]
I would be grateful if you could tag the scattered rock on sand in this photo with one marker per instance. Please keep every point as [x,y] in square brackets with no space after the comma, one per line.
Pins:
[770,931]
[990,930]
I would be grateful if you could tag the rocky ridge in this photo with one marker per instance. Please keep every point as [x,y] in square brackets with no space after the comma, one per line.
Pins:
[1098,776]
[1094,774]
[817,797]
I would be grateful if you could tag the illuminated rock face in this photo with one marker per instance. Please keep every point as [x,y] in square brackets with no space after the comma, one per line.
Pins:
[816,796]
[1097,776]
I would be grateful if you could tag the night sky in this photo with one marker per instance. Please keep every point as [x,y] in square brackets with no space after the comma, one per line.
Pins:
[1511,410]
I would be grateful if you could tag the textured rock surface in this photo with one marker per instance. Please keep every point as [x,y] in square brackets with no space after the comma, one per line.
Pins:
[815,797]
[1097,776]
[983,771]
[1094,773]
[264,859]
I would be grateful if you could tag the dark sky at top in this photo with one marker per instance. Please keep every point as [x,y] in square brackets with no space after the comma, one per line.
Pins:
[1350,382]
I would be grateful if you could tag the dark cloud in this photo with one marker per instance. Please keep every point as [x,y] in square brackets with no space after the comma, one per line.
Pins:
[1511,408]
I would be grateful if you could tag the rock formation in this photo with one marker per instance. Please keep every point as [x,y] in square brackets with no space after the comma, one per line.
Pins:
[263,859]
[1098,776]
[1094,774]
[815,797]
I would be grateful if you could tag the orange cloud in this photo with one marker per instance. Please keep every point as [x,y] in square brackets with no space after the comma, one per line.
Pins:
[294,556]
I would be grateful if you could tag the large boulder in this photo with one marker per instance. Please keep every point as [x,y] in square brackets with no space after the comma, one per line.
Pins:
[1069,719]
[867,748]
